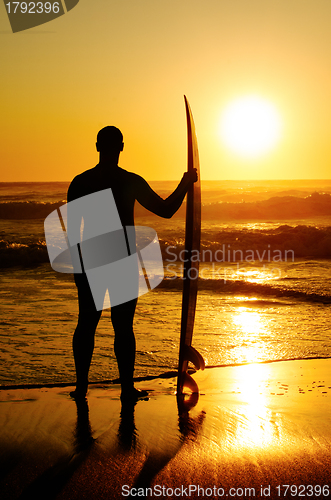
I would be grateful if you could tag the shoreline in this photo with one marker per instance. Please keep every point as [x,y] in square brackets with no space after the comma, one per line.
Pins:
[164,375]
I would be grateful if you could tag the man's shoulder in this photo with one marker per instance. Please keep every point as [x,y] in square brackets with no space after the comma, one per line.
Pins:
[125,173]
[83,176]
[80,183]
[130,179]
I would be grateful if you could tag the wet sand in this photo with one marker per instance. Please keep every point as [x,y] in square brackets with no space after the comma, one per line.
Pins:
[256,426]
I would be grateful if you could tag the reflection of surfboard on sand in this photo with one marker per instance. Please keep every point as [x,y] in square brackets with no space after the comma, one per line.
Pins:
[191,269]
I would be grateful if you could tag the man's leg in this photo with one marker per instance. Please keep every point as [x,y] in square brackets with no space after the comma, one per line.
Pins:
[125,343]
[125,349]
[83,341]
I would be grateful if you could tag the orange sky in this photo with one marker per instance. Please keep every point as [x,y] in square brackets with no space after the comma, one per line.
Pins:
[129,63]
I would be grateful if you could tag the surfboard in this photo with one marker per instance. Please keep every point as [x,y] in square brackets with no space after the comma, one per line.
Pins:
[191,268]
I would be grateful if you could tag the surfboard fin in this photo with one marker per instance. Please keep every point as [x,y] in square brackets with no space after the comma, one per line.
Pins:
[191,354]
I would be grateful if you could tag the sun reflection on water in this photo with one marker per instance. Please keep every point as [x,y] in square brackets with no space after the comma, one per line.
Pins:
[257,426]
[250,330]
[257,274]
[248,321]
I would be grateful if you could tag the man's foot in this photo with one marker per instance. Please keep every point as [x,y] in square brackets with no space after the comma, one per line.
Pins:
[132,395]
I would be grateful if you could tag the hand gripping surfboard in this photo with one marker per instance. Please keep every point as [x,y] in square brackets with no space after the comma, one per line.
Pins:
[191,267]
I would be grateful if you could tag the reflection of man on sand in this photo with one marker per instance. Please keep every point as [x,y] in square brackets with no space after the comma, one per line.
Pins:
[126,188]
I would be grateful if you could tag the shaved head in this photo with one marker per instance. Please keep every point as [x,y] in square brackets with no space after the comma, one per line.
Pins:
[109,139]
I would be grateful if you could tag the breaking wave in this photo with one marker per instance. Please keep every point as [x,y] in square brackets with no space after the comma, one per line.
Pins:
[22,254]
[242,287]
[276,207]
[23,210]
[273,245]
[284,243]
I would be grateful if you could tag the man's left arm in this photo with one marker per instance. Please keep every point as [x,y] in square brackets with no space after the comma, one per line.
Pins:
[168,207]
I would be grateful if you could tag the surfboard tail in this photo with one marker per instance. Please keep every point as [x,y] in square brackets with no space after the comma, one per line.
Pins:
[185,381]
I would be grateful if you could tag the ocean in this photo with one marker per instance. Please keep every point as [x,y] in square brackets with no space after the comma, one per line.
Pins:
[264,286]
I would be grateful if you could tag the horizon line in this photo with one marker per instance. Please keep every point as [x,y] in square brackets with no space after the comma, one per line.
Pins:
[176,180]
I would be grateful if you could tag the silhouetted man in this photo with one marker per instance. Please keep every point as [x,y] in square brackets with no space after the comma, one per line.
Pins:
[126,187]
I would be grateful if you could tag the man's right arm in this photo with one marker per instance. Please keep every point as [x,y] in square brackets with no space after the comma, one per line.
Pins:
[164,208]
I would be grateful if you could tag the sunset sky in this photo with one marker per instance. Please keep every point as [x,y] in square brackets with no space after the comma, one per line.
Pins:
[128,63]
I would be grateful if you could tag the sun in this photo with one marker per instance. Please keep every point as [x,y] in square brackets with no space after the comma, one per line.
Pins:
[250,126]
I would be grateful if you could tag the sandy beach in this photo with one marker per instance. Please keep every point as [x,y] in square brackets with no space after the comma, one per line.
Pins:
[254,429]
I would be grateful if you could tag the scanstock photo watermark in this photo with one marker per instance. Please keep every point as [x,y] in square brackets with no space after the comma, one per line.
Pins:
[196,491]
[25,15]
[214,262]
